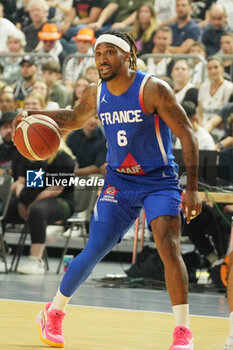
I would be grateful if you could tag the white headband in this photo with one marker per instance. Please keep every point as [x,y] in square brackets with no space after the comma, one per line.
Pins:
[115,40]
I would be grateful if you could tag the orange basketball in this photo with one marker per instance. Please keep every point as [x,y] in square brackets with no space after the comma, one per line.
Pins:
[37,137]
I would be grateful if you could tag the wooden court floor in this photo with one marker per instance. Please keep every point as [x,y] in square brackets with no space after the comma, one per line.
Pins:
[89,328]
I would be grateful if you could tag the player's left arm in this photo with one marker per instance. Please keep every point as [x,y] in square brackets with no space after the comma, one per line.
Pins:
[158,97]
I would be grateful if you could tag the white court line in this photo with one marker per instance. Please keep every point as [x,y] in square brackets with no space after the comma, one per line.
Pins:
[112,308]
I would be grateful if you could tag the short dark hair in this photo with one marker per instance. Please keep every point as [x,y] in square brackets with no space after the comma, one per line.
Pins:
[51,65]
[189,108]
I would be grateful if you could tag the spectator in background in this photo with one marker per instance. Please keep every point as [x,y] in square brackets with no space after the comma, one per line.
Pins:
[28,72]
[51,72]
[166,11]
[198,67]
[200,12]
[185,30]
[75,67]
[38,11]
[15,44]
[89,147]
[7,101]
[10,159]
[226,44]
[6,27]
[228,4]
[184,90]
[22,16]
[61,9]
[49,37]
[214,94]
[162,40]
[226,157]
[43,206]
[222,119]
[205,140]
[212,32]
[124,13]
[41,87]
[80,84]
[92,74]
[144,28]
[86,11]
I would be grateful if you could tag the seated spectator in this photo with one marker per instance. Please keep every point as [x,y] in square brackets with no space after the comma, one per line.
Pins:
[214,94]
[205,140]
[28,73]
[76,66]
[38,11]
[184,90]
[23,18]
[185,30]
[6,28]
[43,206]
[15,44]
[81,83]
[219,119]
[7,101]
[229,6]
[85,12]
[61,9]
[212,32]
[11,161]
[226,45]
[41,87]
[166,11]
[51,71]
[34,100]
[199,73]
[49,38]
[201,11]
[92,74]
[144,28]
[124,13]
[89,147]
[161,66]
[226,156]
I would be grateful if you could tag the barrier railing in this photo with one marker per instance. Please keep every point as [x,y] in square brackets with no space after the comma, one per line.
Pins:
[174,57]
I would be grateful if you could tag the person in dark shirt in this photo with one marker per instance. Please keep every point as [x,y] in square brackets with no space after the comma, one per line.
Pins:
[43,205]
[212,32]
[38,12]
[89,147]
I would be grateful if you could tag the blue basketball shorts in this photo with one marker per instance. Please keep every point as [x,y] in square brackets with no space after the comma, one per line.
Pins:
[120,208]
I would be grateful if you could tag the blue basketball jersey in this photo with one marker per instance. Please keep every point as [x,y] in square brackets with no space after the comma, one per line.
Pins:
[139,144]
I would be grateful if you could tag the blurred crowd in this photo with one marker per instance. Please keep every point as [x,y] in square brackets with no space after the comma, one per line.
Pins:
[47,60]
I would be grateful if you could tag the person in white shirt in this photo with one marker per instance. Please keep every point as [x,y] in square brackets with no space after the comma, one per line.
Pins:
[6,27]
[214,93]
[205,140]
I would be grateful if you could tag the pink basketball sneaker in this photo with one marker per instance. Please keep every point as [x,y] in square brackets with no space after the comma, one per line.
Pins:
[182,339]
[49,324]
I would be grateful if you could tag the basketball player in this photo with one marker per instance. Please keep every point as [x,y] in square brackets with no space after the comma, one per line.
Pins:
[137,112]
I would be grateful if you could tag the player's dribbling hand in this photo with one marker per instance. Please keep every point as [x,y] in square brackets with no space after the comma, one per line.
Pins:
[16,121]
[191,205]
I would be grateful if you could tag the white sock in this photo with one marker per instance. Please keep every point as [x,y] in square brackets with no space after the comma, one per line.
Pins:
[231,324]
[181,313]
[59,302]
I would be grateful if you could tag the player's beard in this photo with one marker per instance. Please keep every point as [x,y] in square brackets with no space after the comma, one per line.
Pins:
[110,77]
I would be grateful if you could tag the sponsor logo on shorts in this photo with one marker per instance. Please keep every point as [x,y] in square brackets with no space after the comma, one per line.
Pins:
[111,190]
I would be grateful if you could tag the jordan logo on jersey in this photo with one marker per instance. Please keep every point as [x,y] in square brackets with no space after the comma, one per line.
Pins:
[103,99]
[130,166]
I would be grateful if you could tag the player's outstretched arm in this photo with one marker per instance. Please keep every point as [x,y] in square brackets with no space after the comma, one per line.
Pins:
[159,97]
[68,119]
